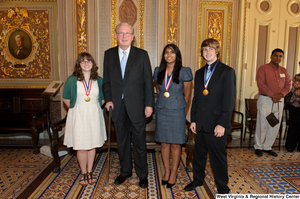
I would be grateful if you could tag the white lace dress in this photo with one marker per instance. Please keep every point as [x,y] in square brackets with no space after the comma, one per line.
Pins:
[85,126]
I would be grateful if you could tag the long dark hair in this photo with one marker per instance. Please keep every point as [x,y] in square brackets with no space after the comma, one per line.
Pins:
[78,71]
[163,65]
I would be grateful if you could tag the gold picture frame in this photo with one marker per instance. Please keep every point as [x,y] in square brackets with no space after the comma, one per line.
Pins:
[27,45]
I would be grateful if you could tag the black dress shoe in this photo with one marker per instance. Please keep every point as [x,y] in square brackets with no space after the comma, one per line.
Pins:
[271,152]
[143,183]
[290,150]
[121,179]
[191,186]
[258,152]
[170,185]
[164,182]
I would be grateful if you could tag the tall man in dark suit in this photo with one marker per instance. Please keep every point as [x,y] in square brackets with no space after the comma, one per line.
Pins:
[128,89]
[212,106]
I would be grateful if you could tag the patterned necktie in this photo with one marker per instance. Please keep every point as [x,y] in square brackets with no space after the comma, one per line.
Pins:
[208,72]
[123,63]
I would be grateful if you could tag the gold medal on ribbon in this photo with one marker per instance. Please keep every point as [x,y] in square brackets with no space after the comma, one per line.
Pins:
[166,94]
[205,92]
[87,89]
[87,98]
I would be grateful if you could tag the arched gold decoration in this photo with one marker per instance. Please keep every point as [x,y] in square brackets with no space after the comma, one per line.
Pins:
[33,26]
[172,21]
[114,21]
[81,29]
[128,12]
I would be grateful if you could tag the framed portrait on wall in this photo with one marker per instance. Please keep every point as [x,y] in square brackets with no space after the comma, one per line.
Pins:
[27,44]
[19,44]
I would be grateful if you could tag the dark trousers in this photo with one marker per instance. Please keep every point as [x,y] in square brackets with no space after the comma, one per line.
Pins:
[293,135]
[215,147]
[122,126]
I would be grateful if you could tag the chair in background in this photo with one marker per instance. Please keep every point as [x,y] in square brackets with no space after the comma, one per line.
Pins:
[251,116]
[237,122]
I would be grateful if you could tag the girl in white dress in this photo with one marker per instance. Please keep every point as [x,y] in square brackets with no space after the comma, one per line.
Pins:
[85,126]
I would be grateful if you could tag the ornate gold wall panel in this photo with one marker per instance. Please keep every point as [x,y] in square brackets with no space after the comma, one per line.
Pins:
[172,21]
[36,63]
[215,21]
[81,27]
[127,11]
[215,26]
[28,0]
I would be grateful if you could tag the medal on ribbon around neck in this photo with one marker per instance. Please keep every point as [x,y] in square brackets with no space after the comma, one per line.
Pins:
[88,88]
[167,83]
[207,79]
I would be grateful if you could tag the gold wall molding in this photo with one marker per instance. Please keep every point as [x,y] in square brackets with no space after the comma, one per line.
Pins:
[81,27]
[141,22]
[28,1]
[172,21]
[114,22]
[215,26]
[34,25]
[218,15]
[124,7]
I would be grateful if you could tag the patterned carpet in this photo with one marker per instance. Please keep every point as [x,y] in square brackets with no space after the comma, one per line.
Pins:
[66,183]
[249,174]
[19,168]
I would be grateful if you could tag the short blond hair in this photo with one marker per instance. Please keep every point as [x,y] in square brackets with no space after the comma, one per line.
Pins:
[211,43]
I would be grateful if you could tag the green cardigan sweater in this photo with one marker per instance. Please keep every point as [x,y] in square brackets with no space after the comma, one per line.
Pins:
[70,90]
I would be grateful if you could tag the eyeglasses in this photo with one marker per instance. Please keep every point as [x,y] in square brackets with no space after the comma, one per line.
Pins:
[86,62]
[124,33]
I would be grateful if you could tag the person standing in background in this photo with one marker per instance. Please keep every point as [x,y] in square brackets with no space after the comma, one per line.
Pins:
[273,82]
[293,136]
[173,86]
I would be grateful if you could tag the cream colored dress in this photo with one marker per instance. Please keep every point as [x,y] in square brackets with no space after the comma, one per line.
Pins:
[85,126]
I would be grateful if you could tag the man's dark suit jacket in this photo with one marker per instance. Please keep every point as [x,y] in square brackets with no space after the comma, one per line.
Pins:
[216,107]
[137,85]
[24,53]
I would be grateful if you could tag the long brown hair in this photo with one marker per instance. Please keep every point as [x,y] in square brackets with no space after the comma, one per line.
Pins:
[78,71]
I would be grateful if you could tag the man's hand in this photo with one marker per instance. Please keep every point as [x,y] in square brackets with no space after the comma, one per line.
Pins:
[108,104]
[148,111]
[277,97]
[219,131]
[193,127]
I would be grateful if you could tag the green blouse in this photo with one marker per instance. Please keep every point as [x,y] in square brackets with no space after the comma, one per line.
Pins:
[70,90]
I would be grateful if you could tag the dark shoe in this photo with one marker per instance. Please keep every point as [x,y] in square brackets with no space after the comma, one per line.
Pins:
[258,152]
[143,183]
[164,182]
[170,185]
[290,150]
[121,179]
[223,192]
[191,186]
[271,152]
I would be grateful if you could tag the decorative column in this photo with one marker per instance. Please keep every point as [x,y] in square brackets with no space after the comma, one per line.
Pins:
[172,21]
[81,28]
